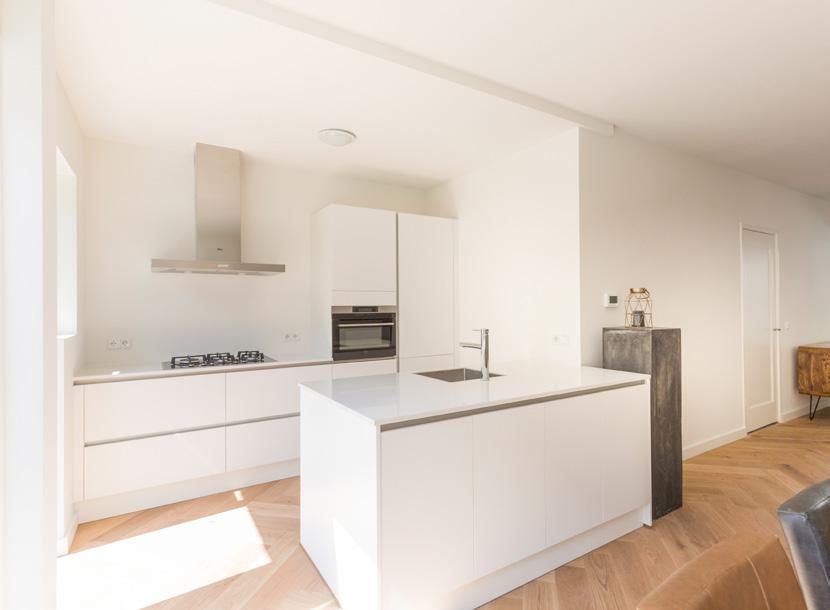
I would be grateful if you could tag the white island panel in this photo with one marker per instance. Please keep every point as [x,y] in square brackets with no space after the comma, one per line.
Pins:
[339,506]
[427,504]
[573,466]
[626,435]
[509,465]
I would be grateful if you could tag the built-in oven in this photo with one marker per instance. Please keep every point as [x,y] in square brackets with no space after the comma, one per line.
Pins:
[359,333]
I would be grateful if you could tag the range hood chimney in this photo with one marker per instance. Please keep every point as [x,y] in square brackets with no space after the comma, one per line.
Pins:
[218,219]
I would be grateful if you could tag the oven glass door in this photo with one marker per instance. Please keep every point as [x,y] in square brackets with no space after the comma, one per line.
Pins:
[363,338]
[365,335]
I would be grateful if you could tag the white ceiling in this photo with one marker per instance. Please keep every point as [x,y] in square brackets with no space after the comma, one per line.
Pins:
[743,82]
[167,74]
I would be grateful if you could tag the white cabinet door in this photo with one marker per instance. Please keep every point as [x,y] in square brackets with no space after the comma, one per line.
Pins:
[597,456]
[128,465]
[263,442]
[363,249]
[509,483]
[626,448]
[149,406]
[269,392]
[426,286]
[342,370]
[426,511]
[573,458]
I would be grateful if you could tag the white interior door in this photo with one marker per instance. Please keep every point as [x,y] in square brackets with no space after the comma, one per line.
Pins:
[760,316]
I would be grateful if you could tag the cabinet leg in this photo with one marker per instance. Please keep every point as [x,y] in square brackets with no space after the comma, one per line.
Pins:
[813,408]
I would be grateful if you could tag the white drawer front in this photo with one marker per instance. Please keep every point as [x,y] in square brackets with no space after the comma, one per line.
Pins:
[264,442]
[128,465]
[149,406]
[269,392]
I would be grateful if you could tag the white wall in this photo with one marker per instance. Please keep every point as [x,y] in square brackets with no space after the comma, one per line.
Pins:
[518,252]
[29,318]
[139,205]
[661,219]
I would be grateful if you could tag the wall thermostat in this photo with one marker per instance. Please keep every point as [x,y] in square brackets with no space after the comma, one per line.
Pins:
[611,300]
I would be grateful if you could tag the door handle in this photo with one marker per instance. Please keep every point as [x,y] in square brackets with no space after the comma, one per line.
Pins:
[366,325]
[777,329]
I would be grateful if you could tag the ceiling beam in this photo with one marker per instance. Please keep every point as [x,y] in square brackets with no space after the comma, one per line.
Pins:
[263,9]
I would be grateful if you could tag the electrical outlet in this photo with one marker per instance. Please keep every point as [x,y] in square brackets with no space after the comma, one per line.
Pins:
[119,343]
[291,337]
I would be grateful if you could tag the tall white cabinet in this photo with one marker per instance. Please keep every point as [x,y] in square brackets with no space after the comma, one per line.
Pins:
[426,292]
[366,256]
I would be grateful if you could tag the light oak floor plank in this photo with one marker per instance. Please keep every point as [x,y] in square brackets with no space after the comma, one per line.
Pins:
[732,489]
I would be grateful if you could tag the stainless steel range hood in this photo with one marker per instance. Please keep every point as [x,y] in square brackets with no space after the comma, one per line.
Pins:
[218,219]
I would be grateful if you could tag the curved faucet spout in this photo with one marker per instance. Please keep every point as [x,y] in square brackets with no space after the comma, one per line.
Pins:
[484,346]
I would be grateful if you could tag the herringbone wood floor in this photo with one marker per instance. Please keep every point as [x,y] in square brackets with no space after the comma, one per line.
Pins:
[735,488]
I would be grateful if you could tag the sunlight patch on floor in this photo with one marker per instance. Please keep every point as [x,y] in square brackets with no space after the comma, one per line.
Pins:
[146,569]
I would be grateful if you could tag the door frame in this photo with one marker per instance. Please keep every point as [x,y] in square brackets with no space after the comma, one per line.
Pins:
[776,318]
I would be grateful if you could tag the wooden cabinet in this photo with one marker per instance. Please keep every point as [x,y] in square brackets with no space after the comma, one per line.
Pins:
[509,483]
[268,392]
[115,468]
[364,368]
[426,520]
[263,442]
[655,352]
[814,372]
[426,286]
[150,406]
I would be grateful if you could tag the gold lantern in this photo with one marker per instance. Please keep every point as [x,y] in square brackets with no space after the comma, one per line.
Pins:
[638,308]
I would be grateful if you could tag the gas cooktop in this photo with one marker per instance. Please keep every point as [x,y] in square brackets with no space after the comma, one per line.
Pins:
[217,359]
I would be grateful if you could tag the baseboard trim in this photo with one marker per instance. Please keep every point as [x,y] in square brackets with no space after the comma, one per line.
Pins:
[502,581]
[713,443]
[794,413]
[65,541]
[131,501]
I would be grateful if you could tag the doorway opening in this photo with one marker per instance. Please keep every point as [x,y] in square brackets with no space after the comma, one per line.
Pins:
[66,221]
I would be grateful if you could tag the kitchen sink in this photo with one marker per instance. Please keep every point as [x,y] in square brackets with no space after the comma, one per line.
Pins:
[456,374]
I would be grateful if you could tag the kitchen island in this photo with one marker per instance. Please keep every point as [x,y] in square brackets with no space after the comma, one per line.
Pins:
[422,493]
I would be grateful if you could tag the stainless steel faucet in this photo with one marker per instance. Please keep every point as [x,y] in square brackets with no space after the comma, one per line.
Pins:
[484,346]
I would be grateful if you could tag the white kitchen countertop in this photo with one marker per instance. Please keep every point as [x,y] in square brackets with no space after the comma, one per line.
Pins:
[398,399]
[103,373]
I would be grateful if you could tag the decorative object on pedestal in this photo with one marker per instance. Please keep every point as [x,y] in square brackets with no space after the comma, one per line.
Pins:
[655,352]
[638,308]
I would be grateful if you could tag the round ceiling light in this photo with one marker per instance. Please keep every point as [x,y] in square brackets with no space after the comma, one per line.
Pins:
[336,137]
